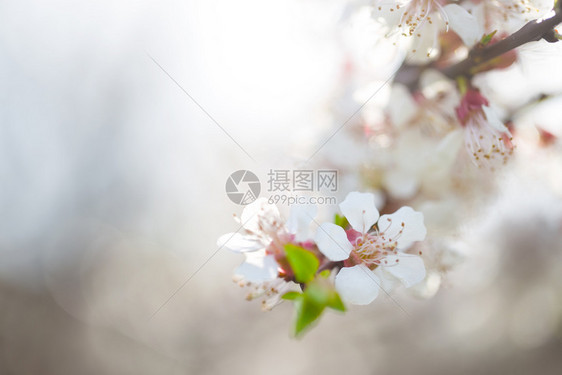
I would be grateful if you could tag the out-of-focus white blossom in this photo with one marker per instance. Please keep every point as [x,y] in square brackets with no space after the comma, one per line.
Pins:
[510,15]
[262,243]
[262,226]
[487,139]
[424,146]
[467,26]
[415,24]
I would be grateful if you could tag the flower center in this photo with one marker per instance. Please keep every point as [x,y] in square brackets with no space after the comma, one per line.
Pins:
[373,249]
[487,145]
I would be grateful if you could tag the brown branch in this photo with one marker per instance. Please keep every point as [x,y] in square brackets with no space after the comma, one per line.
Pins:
[533,31]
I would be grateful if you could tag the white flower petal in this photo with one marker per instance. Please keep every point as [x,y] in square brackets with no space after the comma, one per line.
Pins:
[360,210]
[387,281]
[239,243]
[258,268]
[411,231]
[464,24]
[401,107]
[332,241]
[401,183]
[260,216]
[299,221]
[429,287]
[388,15]
[409,269]
[494,120]
[357,285]
[426,47]
[447,151]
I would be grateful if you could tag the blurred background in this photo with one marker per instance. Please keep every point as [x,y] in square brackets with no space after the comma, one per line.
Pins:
[112,198]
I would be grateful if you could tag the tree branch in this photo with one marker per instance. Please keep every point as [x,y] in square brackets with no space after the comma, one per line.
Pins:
[533,31]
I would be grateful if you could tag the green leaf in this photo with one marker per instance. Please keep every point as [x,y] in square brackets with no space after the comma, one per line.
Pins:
[291,295]
[308,311]
[303,263]
[325,274]
[310,304]
[341,221]
[335,302]
[325,294]
[487,38]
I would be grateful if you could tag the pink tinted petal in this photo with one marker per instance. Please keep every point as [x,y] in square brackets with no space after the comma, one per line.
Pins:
[353,235]
[470,103]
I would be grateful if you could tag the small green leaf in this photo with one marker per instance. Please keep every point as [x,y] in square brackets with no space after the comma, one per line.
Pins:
[335,302]
[303,263]
[341,221]
[308,312]
[291,295]
[310,304]
[325,274]
[487,38]
[325,294]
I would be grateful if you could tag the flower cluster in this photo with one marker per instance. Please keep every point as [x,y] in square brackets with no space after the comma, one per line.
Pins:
[434,135]
[344,262]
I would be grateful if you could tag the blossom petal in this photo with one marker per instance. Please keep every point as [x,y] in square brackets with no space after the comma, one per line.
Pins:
[360,210]
[357,285]
[404,227]
[387,281]
[299,221]
[426,47]
[407,268]
[332,241]
[401,107]
[401,183]
[239,243]
[464,24]
[259,216]
[494,120]
[258,268]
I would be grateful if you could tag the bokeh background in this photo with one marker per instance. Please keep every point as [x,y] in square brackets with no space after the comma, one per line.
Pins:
[112,197]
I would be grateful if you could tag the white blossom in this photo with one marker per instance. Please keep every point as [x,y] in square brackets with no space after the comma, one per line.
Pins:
[366,247]
[487,139]
[416,22]
[262,243]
